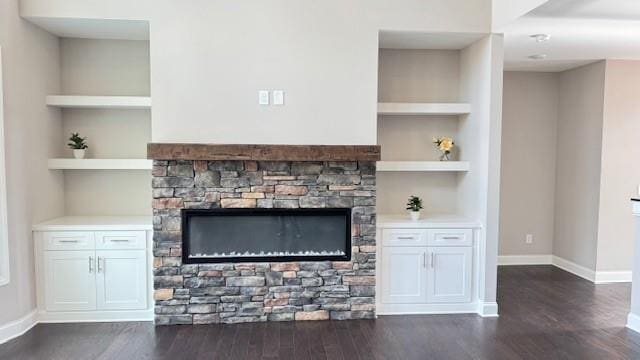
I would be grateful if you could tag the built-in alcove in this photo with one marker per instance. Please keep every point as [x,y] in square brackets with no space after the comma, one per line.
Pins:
[105,89]
[424,80]
[428,87]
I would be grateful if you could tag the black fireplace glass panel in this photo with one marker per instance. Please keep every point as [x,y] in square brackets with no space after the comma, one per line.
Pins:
[231,235]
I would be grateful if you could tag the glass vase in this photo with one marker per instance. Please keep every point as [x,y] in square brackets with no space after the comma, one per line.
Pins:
[446,156]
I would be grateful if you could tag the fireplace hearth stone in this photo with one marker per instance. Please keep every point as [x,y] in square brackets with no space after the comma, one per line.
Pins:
[262,291]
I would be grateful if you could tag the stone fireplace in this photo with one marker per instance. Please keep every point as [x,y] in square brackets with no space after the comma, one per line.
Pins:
[246,233]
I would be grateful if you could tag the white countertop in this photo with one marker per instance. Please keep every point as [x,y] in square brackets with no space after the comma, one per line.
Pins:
[635,206]
[426,221]
[96,223]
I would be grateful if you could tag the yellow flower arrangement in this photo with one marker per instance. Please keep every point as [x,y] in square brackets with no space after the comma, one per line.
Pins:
[444,144]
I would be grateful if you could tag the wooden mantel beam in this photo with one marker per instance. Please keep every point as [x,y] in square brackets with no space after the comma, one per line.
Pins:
[175,151]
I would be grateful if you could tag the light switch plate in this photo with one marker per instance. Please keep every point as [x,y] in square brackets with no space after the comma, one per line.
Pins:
[263,97]
[278,97]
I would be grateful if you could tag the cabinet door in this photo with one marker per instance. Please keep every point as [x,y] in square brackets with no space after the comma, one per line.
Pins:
[449,275]
[404,275]
[70,283]
[121,279]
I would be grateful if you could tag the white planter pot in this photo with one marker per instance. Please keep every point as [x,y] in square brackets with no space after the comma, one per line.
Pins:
[79,153]
[415,215]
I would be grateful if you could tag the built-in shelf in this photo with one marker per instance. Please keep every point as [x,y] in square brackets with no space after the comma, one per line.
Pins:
[423,166]
[100,164]
[423,108]
[96,223]
[99,102]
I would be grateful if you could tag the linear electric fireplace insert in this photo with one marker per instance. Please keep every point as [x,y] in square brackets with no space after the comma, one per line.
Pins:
[265,235]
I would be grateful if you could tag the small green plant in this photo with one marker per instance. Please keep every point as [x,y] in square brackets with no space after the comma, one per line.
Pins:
[414,203]
[76,142]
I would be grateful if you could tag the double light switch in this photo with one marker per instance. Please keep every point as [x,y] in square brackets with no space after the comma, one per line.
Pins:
[278,97]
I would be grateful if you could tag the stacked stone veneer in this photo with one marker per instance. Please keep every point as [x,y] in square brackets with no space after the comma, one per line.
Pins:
[249,292]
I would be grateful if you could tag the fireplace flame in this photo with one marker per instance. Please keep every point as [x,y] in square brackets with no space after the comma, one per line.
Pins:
[269,254]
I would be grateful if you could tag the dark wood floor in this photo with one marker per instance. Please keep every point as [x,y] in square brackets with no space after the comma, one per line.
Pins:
[546,313]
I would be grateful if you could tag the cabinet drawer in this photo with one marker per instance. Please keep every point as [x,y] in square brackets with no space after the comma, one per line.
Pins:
[404,237]
[450,237]
[68,240]
[120,240]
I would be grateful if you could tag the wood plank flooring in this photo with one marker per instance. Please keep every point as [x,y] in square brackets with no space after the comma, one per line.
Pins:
[546,313]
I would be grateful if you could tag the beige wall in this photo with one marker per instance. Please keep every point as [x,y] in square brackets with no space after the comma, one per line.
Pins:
[105,67]
[322,53]
[529,123]
[578,164]
[418,75]
[594,158]
[620,165]
[32,131]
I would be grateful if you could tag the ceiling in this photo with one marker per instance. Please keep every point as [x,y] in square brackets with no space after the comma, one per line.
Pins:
[582,31]
[419,40]
[93,28]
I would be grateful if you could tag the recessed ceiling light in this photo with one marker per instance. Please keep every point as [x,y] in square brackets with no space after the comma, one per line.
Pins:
[540,37]
[538,56]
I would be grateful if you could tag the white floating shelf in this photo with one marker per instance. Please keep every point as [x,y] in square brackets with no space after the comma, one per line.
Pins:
[99,102]
[423,166]
[423,108]
[100,164]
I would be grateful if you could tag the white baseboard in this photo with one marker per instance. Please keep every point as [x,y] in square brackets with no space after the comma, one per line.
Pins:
[603,277]
[17,327]
[488,309]
[633,322]
[574,268]
[597,277]
[525,259]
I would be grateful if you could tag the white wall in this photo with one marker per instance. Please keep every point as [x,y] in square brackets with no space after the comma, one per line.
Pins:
[479,189]
[32,131]
[528,175]
[620,173]
[322,53]
[579,148]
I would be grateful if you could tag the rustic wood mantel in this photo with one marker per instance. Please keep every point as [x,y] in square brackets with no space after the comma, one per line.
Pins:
[174,151]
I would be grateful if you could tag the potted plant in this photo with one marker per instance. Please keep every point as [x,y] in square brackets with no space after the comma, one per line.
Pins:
[445,145]
[414,205]
[78,144]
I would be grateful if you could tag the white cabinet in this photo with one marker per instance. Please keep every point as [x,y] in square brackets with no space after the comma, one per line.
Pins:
[121,279]
[78,280]
[94,273]
[425,268]
[405,275]
[70,280]
[449,274]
